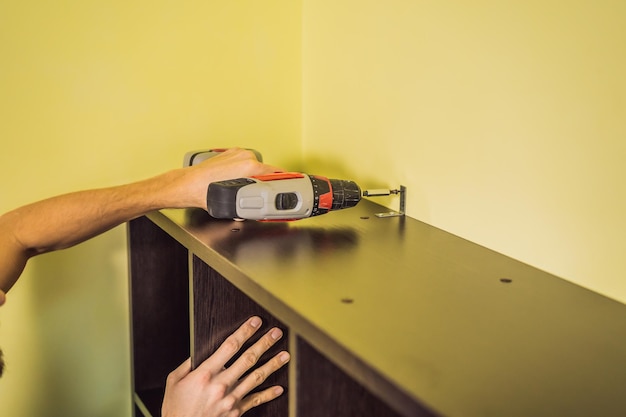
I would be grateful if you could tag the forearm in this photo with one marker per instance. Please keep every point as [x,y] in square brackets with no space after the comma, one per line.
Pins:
[63,221]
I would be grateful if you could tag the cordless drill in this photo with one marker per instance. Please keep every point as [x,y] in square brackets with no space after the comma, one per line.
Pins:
[278,196]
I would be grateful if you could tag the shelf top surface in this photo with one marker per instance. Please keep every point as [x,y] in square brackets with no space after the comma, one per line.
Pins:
[460,328]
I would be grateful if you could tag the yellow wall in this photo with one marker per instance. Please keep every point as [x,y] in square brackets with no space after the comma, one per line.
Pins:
[98,93]
[506,120]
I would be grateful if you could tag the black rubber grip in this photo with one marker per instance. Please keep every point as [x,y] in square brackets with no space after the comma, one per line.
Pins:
[221,198]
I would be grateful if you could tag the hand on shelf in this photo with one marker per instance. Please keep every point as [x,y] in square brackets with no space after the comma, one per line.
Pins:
[211,390]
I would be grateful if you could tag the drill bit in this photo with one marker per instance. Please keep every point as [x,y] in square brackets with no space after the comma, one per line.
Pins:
[379,192]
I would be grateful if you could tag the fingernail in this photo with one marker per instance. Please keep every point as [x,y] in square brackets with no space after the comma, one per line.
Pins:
[284,357]
[278,390]
[276,334]
[255,322]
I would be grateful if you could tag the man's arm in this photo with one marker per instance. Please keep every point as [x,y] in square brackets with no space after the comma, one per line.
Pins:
[59,222]
[66,220]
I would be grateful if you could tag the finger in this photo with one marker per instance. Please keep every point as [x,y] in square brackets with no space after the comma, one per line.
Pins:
[260,374]
[181,371]
[262,397]
[272,169]
[250,357]
[214,363]
[237,153]
[258,168]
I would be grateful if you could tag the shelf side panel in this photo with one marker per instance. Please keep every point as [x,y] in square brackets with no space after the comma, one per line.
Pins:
[218,309]
[159,304]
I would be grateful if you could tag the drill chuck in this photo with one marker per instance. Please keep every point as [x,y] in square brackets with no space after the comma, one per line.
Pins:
[346,194]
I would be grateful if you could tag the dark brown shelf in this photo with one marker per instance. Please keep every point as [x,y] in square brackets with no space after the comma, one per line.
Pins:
[400,316]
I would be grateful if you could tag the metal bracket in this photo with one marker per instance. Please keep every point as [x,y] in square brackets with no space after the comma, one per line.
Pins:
[401,192]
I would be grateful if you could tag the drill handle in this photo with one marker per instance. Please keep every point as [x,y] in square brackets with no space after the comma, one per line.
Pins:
[221,197]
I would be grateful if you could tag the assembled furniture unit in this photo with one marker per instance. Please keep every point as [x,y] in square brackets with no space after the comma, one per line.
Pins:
[382,316]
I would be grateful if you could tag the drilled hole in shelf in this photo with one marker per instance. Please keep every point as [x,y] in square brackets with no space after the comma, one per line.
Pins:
[365,217]
[347,300]
[506,280]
